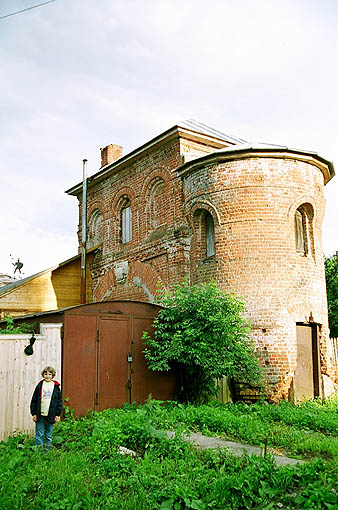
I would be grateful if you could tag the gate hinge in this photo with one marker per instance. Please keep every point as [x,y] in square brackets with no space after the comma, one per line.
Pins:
[96,399]
[97,335]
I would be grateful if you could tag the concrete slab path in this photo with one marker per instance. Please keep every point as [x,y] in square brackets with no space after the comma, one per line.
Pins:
[234,447]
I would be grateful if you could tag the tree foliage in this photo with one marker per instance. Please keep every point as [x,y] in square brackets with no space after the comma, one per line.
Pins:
[12,329]
[331,273]
[201,336]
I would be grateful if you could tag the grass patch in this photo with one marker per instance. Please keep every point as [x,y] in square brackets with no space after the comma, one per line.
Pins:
[85,470]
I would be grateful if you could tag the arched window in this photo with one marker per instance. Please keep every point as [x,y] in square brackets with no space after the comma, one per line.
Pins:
[304,229]
[95,229]
[204,233]
[209,235]
[156,204]
[126,221]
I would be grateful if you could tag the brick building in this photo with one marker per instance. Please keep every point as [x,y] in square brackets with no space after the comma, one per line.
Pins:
[196,203]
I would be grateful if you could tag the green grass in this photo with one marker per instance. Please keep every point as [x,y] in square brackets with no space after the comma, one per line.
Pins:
[308,429]
[84,470]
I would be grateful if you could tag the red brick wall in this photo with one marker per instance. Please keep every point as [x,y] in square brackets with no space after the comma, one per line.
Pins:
[154,253]
[253,202]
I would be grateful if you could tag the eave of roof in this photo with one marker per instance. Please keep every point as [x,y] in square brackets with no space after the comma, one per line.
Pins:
[60,311]
[57,311]
[247,150]
[18,283]
[189,128]
[199,127]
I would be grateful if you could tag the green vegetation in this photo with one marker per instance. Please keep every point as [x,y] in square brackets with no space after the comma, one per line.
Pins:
[85,470]
[201,336]
[331,273]
[11,329]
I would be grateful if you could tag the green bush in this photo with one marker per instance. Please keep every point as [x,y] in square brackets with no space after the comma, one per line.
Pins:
[331,274]
[22,328]
[201,336]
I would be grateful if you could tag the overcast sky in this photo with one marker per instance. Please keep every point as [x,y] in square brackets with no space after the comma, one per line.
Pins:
[76,75]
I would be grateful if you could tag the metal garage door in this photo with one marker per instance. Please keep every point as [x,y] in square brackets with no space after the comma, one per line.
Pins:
[102,361]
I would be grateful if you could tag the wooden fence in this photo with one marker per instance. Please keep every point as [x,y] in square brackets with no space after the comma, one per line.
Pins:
[333,350]
[20,373]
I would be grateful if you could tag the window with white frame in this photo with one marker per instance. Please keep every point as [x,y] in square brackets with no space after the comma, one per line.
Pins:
[126,224]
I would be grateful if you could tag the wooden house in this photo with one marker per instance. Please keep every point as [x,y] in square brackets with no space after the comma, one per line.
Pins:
[51,289]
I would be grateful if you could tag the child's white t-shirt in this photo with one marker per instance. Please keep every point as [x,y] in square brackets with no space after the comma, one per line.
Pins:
[46,395]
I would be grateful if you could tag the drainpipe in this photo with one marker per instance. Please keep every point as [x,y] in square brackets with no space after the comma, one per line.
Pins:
[84,234]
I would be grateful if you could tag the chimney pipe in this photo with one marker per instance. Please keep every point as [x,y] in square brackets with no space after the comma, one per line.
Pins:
[110,153]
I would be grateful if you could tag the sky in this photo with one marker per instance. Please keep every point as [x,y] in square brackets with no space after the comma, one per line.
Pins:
[76,75]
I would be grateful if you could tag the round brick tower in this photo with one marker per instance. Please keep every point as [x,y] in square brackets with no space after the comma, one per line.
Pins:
[255,216]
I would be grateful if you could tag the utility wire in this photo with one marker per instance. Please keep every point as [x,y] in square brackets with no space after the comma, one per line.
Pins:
[28,9]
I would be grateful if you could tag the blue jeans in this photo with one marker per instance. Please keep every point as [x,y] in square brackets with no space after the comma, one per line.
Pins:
[41,429]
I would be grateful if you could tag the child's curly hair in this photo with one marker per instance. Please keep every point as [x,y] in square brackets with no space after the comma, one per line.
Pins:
[48,369]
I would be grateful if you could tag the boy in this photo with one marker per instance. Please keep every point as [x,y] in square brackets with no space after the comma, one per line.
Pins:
[46,407]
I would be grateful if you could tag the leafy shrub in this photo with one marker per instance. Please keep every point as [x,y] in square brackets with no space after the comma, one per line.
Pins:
[331,274]
[201,336]
[22,328]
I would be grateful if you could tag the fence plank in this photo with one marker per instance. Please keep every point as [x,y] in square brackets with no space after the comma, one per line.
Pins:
[20,373]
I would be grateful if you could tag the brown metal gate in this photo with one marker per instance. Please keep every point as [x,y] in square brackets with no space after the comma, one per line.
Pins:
[306,381]
[103,365]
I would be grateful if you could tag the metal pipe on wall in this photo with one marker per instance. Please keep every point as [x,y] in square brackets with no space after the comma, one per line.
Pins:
[84,234]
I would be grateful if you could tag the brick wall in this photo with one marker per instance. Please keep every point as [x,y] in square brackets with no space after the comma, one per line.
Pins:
[132,270]
[253,202]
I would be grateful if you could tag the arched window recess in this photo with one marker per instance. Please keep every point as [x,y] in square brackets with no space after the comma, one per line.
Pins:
[304,230]
[204,233]
[126,221]
[209,235]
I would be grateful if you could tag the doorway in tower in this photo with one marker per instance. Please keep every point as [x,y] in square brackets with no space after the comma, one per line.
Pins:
[307,374]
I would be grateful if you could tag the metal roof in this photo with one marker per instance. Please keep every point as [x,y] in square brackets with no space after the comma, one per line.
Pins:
[199,127]
[262,148]
[189,125]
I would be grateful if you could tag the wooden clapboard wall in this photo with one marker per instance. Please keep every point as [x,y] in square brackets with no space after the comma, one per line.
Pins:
[57,287]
